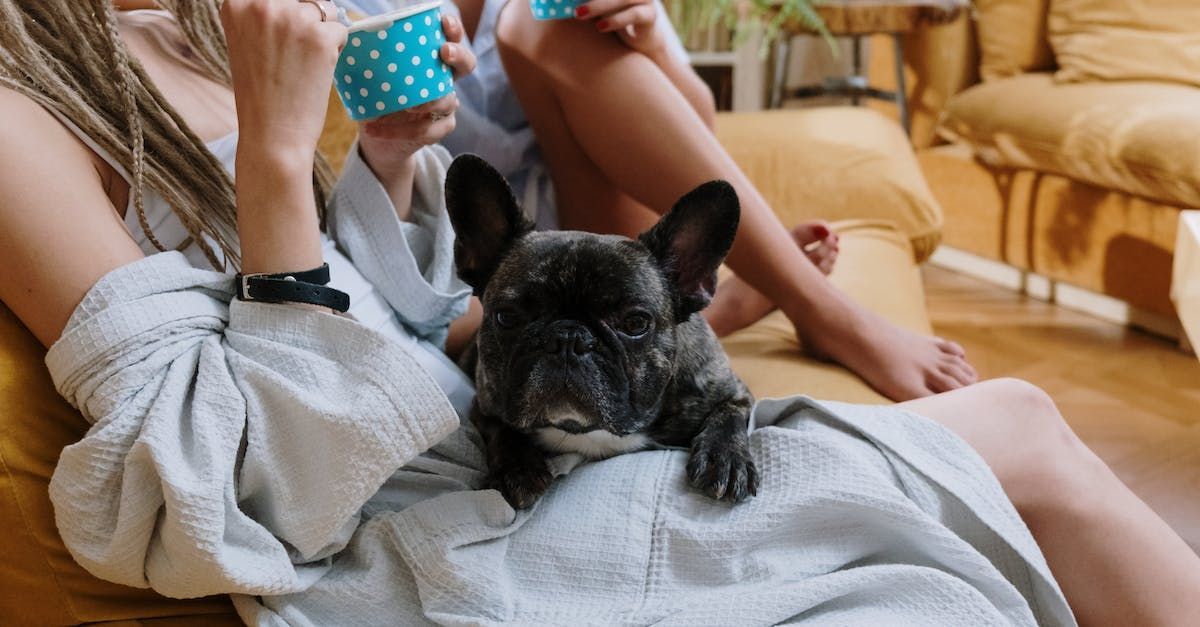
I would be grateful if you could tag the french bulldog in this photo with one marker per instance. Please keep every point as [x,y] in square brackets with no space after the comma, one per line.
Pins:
[593,343]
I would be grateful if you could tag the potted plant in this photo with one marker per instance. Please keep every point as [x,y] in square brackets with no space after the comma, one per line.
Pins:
[768,16]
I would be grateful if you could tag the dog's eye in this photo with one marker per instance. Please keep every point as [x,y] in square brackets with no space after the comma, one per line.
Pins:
[507,318]
[635,324]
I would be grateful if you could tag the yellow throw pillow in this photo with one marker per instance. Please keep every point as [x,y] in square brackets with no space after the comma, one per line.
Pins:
[1012,37]
[1126,40]
[40,584]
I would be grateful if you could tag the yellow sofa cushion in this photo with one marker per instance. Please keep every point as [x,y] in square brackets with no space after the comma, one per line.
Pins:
[1012,37]
[1126,40]
[1141,138]
[835,163]
[40,583]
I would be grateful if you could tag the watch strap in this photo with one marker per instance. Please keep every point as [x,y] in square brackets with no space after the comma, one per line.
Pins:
[290,288]
[318,275]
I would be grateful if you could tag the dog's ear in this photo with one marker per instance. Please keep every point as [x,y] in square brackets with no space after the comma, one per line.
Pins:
[691,241]
[485,216]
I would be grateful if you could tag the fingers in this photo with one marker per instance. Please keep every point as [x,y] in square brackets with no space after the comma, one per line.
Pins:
[424,125]
[636,16]
[453,28]
[597,9]
[460,59]
[333,32]
[318,10]
[276,22]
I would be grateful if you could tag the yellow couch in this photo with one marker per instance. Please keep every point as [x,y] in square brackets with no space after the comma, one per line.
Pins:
[40,584]
[1081,182]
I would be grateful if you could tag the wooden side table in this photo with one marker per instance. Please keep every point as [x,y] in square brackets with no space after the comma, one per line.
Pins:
[857,19]
[1185,278]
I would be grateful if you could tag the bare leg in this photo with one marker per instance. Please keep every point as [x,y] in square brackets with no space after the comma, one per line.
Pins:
[608,119]
[1116,560]
[738,305]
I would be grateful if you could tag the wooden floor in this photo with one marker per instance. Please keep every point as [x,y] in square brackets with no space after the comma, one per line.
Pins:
[1133,397]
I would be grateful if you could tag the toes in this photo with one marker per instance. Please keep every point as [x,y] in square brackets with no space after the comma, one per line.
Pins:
[723,472]
[954,348]
[955,360]
[939,382]
[521,486]
[823,258]
[809,232]
[958,370]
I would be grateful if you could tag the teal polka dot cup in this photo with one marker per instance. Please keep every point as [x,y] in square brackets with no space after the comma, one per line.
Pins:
[391,62]
[554,9]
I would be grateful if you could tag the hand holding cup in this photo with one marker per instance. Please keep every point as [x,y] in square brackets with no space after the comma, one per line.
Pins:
[388,140]
[282,55]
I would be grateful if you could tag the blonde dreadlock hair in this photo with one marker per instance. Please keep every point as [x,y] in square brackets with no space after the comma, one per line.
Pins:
[62,54]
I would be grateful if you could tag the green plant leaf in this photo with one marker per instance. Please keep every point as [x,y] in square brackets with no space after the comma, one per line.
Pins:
[692,17]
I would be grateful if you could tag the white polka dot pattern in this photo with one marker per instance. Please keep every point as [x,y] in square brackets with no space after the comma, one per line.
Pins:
[390,66]
[554,9]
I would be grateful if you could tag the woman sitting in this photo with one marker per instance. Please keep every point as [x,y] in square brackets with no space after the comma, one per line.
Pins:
[314,465]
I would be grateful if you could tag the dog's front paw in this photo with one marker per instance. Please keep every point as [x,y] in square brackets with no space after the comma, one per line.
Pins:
[723,469]
[521,483]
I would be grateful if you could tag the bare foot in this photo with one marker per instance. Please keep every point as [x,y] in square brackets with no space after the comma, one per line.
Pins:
[737,305]
[898,363]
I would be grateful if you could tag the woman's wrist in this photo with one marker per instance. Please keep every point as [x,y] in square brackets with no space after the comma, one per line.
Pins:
[277,210]
[274,158]
[394,168]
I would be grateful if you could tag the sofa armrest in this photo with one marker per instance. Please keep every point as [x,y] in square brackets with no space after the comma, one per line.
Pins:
[940,60]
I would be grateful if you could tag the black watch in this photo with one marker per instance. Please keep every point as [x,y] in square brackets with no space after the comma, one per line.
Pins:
[308,287]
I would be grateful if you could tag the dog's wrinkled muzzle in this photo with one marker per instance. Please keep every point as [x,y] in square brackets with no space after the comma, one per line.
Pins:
[568,337]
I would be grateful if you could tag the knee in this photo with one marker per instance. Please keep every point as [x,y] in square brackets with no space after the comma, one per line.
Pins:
[1054,469]
[518,33]
[512,29]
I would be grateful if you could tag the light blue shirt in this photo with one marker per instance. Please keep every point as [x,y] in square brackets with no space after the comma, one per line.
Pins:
[491,122]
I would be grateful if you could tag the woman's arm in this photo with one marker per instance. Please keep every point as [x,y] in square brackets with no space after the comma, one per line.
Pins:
[282,58]
[227,437]
[59,232]
[388,144]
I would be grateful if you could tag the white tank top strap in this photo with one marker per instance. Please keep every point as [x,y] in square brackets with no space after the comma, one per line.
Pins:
[162,221]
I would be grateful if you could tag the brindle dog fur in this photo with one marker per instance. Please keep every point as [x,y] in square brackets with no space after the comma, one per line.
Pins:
[594,343]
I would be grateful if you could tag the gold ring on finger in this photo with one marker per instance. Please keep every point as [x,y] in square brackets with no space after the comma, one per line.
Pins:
[324,15]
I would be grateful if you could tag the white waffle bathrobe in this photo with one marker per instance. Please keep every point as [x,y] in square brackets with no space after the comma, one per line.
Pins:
[309,467]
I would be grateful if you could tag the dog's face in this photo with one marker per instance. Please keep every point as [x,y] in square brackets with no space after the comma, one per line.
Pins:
[580,330]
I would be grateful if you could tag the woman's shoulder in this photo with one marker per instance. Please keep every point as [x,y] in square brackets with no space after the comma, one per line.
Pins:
[40,142]
[59,232]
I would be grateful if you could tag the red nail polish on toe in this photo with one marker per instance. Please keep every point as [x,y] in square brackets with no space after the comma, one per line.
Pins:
[602,24]
[821,231]
[582,11]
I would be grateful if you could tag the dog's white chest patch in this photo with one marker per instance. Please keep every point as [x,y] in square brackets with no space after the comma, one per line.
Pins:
[596,444]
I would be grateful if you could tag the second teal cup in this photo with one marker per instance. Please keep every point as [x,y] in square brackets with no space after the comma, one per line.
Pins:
[554,9]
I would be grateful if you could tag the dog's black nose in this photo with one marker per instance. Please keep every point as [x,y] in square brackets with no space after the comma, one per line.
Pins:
[570,338]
